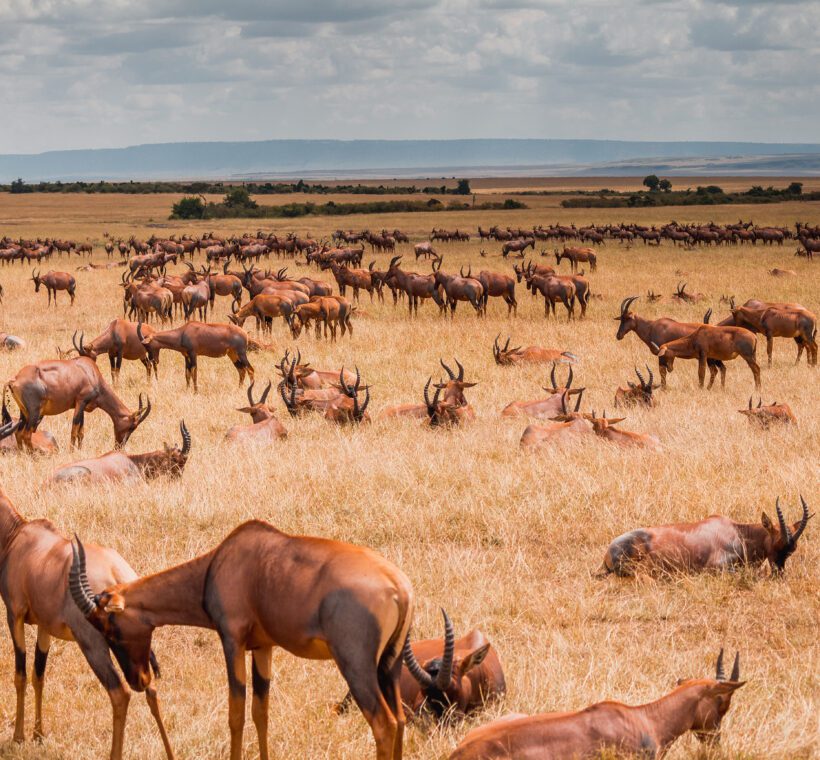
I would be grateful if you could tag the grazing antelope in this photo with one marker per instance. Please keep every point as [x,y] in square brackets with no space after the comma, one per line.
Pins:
[547,408]
[120,341]
[655,332]
[637,394]
[605,428]
[713,342]
[715,543]
[34,569]
[54,281]
[766,416]
[260,588]
[574,255]
[418,287]
[119,466]
[52,387]
[265,307]
[265,428]
[530,355]
[696,705]
[195,339]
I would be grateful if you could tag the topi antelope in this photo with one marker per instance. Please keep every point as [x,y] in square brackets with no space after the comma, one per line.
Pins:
[265,428]
[54,281]
[637,394]
[656,332]
[119,466]
[681,295]
[766,416]
[34,584]
[120,341]
[605,428]
[57,386]
[713,342]
[316,598]
[547,408]
[715,543]
[777,322]
[195,339]
[306,377]
[696,705]
[340,405]
[565,427]
[530,355]
[452,394]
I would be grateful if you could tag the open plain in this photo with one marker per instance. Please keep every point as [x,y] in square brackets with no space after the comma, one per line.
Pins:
[505,540]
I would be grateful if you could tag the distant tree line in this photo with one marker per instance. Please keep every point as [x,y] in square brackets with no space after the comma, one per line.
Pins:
[217,188]
[238,203]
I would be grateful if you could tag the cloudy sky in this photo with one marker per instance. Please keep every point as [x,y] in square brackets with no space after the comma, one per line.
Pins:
[108,73]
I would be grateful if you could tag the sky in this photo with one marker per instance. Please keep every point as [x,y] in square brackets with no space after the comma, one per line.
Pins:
[110,73]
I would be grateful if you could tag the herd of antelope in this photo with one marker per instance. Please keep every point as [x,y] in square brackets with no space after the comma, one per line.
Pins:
[323,599]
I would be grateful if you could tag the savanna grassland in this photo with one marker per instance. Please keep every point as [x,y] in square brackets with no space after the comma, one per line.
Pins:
[505,540]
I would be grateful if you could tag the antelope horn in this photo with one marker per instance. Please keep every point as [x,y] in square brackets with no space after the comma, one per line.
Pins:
[447,370]
[460,370]
[74,343]
[147,410]
[569,378]
[186,439]
[496,349]
[445,673]
[578,399]
[651,376]
[640,377]
[736,668]
[348,391]
[234,306]
[707,316]
[264,395]
[750,403]
[552,377]
[250,393]
[803,520]
[784,529]
[507,344]
[760,402]
[427,392]
[719,674]
[78,580]
[419,673]
[358,412]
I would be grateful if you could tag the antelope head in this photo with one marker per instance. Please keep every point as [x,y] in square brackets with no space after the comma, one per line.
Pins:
[258,410]
[567,390]
[504,356]
[176,457]
[82,349]
[626,317]
[126,425]
[601,424]
[35,278]
[782,538]
[359,410]
[454,388]
[443,680]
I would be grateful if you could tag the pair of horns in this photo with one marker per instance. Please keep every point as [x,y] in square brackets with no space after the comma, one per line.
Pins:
[554,384]
[644,385]
[451,373]
[626,303]
[785,531]
[720,675]
[262,398]
[445,673]
[578,398]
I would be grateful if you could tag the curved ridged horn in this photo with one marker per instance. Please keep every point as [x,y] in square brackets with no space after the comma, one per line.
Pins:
[460,370]
[424,679]
[784,529]
[290,402]
[578,398]
[651,377]
[736,668]
[264,396]
[803,520]
[707,316]
[719,674]
[445,673]
[78,580]
[250,393]
[627,302]
[552,377]
[186,439]
[569,379]
[234,306]
[74,343]
[496,349]
[358,411]
[640,377]
[448,370]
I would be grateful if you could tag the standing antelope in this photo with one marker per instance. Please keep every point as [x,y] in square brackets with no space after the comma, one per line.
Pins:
[55,386]
[696,705]
[195,339]
[260,588]
[265,428]
[35,587]
[54,281]
[119,466]
[574,255]
[776,322]
[715,543]
[713,342]
[530,355]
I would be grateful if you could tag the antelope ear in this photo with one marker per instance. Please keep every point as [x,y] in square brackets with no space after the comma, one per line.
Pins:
[114,603]
[468,385]
[768,524]
[245,409]
[727,688]
[474,659]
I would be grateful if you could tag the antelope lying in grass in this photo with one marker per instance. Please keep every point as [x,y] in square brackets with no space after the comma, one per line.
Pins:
[262,588]
[444,414]
[680,294]
[11,342]
[530,355]
[656,332]
[265,427]
[195,339]
[718,343]
[120,341]
[448,675]
[34,565]
[546,408]
[605,428]
[452,395]
[340,405]
[696,705]
[715,543]
[54,281]
[57,386]
[119,466]
[306,377]
[766,416]
[564,427]
[637,394]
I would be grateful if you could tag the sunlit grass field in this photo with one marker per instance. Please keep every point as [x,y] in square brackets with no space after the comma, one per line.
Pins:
[505,540]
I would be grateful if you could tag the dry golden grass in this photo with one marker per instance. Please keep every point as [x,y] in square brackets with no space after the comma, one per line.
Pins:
[505,540]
